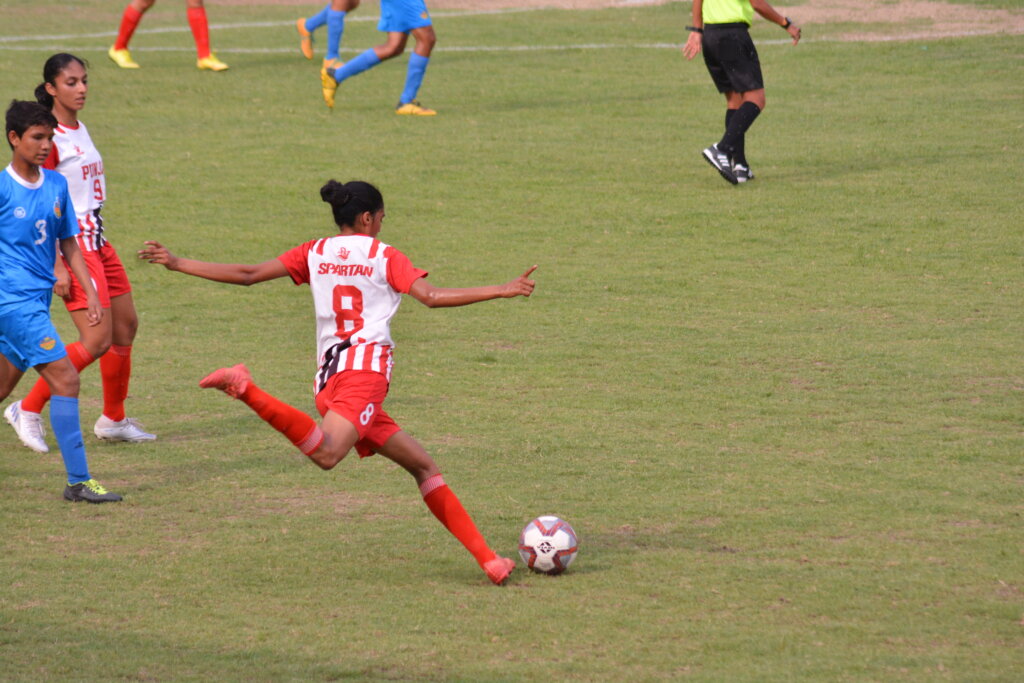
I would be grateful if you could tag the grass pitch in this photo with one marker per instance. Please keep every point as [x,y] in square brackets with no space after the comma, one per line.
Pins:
[784,418]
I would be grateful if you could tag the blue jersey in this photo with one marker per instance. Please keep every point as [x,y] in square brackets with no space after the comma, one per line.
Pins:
[33,216]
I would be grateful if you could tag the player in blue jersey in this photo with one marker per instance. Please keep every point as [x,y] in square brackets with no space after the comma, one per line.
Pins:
[35,216]
[398,18]
[333,15]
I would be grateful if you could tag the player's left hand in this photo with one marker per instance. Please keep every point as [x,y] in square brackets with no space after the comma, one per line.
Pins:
[522,285]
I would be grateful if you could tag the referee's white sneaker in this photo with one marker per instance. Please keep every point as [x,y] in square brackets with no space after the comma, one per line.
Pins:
[720,160]
[742,173]
[127,429]
[28,426]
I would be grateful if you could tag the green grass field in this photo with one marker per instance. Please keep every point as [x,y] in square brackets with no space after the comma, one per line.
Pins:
[785,418]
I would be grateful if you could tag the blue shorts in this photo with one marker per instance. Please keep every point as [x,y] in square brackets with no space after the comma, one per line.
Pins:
[402,16]
[27,335]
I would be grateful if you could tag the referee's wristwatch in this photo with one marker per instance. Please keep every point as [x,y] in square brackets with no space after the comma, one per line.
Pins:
[695,29]
[789,22]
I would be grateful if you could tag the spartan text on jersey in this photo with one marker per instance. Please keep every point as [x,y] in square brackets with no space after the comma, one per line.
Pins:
[343,270]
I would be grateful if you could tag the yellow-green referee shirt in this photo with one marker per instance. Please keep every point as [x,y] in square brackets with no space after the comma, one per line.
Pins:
[727,12]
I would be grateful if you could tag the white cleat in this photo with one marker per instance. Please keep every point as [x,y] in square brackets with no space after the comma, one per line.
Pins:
[125,430]
[29,427]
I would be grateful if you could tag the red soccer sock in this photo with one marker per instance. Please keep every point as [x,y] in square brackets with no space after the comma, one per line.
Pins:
[40,394]
[129,20]
[449,511]
[200,30]
[297,427]
[116,369]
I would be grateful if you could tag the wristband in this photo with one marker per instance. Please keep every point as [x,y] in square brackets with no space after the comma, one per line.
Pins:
[694,29]
[789,22]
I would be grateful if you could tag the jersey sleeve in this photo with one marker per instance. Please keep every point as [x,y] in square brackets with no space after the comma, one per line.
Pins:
[53,159]
[296,262]
[401,272]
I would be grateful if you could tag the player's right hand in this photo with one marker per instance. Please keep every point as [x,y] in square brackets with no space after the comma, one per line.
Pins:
[154,252]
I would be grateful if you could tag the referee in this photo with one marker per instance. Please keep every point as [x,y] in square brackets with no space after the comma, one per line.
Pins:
[720,27]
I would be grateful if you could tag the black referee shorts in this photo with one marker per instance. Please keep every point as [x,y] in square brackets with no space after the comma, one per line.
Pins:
[731,58]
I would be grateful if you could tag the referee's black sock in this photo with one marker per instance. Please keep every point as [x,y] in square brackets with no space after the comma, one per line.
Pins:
[738,123]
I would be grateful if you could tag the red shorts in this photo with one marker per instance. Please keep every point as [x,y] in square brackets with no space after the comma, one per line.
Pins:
[109,278]
[358,396]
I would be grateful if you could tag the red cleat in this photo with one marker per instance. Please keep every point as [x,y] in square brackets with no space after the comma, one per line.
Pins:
[232,381]
[499,569]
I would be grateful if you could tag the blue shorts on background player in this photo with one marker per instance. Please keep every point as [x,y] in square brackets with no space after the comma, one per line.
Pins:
[398,19]
[35,216]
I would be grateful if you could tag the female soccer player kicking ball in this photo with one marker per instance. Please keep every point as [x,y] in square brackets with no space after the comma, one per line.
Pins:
[357,284]
[36,216]
[73,155]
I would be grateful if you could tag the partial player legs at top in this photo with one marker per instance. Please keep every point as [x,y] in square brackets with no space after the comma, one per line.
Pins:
[399,19]
[333,16]
[196,14]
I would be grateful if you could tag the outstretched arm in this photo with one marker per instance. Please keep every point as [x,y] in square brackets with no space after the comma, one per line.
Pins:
[439,297]
[231,273]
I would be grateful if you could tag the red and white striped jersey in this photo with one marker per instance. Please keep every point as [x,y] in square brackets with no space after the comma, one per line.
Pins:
[76,158]
[357,284]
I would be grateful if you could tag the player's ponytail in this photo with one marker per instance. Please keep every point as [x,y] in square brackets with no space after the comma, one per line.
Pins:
[351,199]
[51,70]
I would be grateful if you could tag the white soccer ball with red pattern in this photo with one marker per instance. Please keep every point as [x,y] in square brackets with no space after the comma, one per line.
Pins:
[548,545]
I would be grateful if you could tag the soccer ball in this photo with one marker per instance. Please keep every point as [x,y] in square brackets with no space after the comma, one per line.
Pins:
[548,545]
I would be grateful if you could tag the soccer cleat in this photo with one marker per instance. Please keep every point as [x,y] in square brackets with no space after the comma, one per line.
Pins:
[413,108]
[328,85]
[305,39]
[125,430]
[499,569]
[232,381]
[742,173]
[720,160]
[332,64]
[28,426]
[211,63]
[122,58]
[90,491]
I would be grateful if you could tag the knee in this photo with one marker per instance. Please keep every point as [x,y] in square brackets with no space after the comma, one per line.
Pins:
[98,345]
[65,383]
[142,5]
[326,457]
[427,41]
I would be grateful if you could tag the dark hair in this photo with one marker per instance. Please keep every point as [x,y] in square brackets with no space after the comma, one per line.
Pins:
[22,115]
[54,65]
[350,200]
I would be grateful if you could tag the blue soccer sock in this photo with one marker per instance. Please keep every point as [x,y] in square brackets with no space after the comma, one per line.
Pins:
[414,77]
[67,428]
[367,60]
[318,19]
[335,27]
